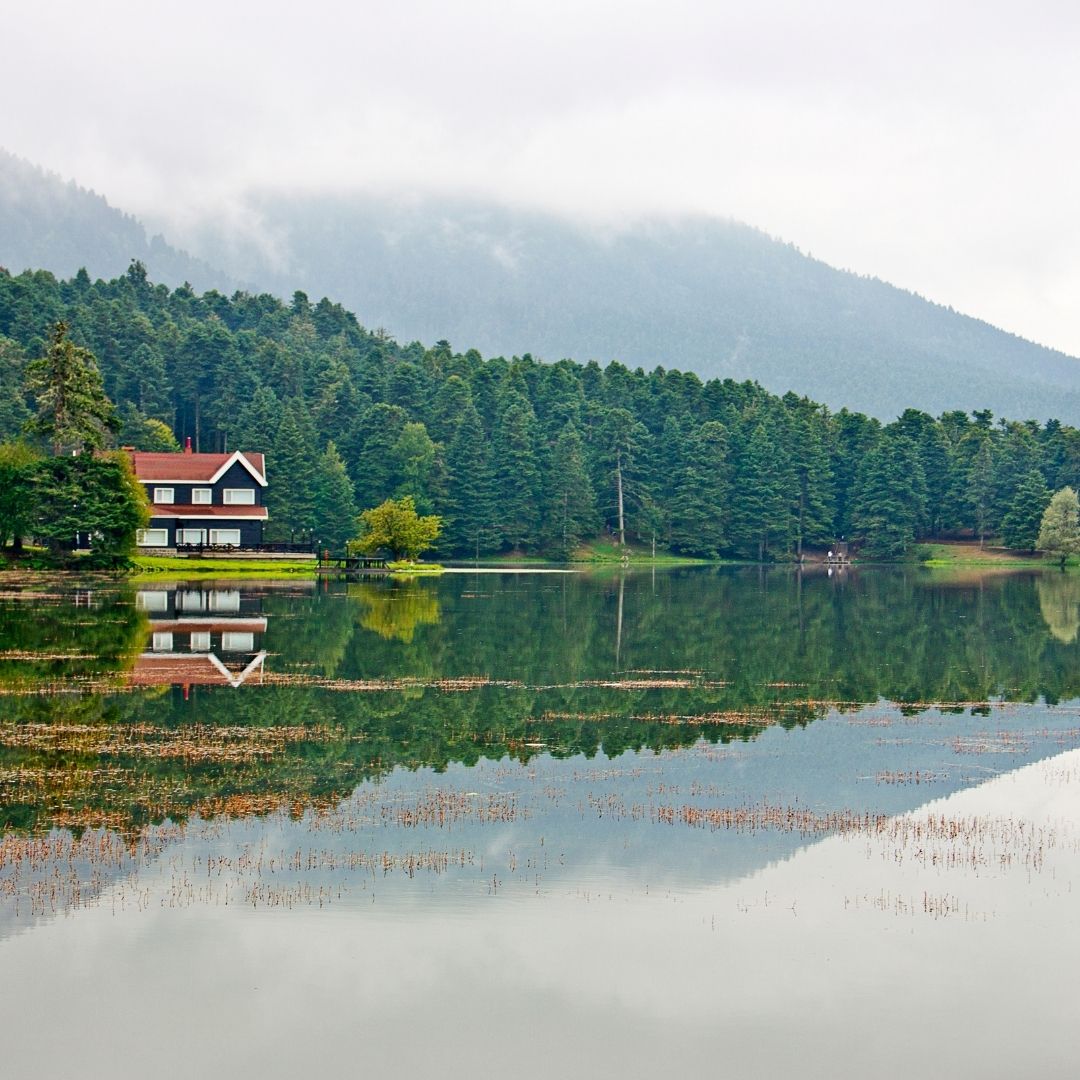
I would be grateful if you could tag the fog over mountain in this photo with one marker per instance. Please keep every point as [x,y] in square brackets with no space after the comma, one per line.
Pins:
[690,292]
[715,297]
[49,224]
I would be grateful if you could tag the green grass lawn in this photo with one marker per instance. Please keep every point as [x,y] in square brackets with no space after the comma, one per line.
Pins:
[162,564]
[970,554]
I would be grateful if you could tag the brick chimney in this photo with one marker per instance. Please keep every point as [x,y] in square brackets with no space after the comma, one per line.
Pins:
[187,445]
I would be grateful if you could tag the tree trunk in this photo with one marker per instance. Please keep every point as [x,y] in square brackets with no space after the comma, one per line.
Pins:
[618,485]
[802,516]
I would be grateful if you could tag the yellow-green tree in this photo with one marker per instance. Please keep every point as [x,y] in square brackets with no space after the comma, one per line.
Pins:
[396,526]
[1060,531]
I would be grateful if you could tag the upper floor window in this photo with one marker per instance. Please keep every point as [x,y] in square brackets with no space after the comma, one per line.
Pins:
[202,495]
[163,495]
[239,496]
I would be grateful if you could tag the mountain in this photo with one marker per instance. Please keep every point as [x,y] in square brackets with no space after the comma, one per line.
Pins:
[48,224]
[701,294]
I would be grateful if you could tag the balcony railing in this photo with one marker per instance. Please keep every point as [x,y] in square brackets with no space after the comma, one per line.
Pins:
[282,548]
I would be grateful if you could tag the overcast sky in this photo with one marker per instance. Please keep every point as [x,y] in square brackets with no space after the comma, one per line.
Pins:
[930,144]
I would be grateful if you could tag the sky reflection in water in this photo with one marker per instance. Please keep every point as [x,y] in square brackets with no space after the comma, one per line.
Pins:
[874,890]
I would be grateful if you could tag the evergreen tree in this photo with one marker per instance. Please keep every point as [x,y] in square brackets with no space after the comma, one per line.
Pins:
[72,411]
[373,469]
[932,447]
[980,491]
[257,424]
[813,505]
[143,433]
[517,475]
[291,499]
[889,498]
[699,506]
[620,443]
[18,467]
[1020,526]
[570,507]
[417,467]
[470,499]
[13,411]
[335,510]
[93,496]
[854,436]
[760,521]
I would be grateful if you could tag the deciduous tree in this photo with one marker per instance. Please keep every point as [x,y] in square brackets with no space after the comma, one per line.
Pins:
[396,526]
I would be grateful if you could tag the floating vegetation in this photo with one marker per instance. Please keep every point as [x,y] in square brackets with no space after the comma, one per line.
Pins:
[195,742]
[917,776]
[1000,742]
[452,684]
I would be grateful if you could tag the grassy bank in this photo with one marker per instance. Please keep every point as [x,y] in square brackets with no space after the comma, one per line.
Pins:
[963,553]
[601,551]
[164,564]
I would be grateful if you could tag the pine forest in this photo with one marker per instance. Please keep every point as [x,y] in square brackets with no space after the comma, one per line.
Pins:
[518,455]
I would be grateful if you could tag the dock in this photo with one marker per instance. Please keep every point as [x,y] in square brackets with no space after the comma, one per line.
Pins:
[351,564]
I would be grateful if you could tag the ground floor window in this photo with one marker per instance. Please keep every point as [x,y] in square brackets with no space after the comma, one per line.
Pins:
[225,536]
[200,640]
[191,536]
[162,641]
[235,642]
[152,537]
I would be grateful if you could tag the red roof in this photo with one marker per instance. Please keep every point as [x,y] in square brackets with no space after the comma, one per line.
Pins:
[238,512]
[202,669]
[191,468]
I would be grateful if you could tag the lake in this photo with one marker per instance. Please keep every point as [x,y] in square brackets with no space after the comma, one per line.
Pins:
[706,822]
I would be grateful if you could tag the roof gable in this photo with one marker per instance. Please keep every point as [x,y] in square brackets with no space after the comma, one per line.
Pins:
[183,468]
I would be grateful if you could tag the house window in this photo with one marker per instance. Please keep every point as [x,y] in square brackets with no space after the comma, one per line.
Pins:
[152,600]
[200,641]
[225,536]
[202,496]
[239,496]
[164,495]
[191,600]
[225,600]
[191,536]
[152,537]
[231,641]
[162,641]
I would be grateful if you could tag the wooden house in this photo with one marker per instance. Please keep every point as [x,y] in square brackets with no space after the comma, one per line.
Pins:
[202,499]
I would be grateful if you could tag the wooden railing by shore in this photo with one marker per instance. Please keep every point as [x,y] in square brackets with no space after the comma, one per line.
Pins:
[351,564]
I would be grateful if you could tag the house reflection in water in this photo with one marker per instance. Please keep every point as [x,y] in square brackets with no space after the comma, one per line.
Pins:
[200,637]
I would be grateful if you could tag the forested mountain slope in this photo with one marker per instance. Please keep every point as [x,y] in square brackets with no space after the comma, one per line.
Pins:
[520,455]
[47,223]
[713,297]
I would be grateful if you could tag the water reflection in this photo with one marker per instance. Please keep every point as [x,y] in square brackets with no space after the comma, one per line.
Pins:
[664,815]
[127,706]
[200,637]
[1059,602]
[395,610]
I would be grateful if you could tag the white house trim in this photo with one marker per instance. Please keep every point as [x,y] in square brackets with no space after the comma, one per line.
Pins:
[239,456]
[210,517]
[202,481]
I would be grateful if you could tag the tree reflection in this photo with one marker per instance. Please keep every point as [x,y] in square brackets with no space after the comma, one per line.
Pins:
[1059,602]
[395,611]
[493,666]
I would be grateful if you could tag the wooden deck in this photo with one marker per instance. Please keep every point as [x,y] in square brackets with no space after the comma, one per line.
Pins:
[351,564]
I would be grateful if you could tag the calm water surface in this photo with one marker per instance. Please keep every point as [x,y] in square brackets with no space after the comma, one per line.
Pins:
[718,823]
